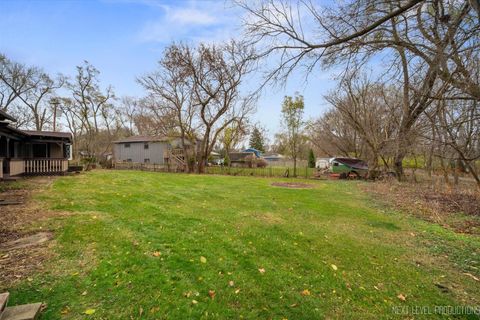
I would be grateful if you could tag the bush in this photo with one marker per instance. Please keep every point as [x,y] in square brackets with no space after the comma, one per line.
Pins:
[262,163]
[250,161]
[226,161]
[311,159]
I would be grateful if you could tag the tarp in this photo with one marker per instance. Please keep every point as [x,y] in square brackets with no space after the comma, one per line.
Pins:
[353,163]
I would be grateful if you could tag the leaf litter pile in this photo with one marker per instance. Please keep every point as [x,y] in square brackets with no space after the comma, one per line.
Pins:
[454,208]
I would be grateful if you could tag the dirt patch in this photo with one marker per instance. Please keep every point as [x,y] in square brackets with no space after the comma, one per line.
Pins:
[268,218]
[293,185]
[28,241]
[23,246]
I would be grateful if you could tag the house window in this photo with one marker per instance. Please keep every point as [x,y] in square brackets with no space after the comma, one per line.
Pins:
[129,160]
[127,145]
[146,160]
[145,146]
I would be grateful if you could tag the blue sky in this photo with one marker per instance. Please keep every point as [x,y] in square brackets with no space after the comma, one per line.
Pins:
[125,38]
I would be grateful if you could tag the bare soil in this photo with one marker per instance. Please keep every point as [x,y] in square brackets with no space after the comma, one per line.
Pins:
[293,185]
[23,245]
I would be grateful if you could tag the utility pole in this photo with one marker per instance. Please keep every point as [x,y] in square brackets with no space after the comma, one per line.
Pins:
[54,102]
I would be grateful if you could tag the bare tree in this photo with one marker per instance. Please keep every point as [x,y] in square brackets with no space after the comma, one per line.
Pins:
[170,89]
[39,98]
[217,75]
[127,114]
[459,124]
[15,80]
[429,42]
[90,109]
[372,110]
[292,120]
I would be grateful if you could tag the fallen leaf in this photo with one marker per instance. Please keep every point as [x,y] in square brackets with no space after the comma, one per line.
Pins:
[211,294]
[471,276]
[84,293]
[140,312]
[194,301]
[203,259]
[305,292]
[65,310]
[157,254]
[402,297]
[231,283]
[334,267]
[89,311]
[237,291]
[261,270]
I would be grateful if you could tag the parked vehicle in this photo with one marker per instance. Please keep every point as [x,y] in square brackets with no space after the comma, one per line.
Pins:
[348,167]
[343,167]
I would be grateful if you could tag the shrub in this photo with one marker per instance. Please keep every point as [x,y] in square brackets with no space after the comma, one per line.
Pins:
[262,163]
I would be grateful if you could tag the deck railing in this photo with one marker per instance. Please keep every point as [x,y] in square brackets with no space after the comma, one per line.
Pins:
[45,166]
[36,166]
[17,167]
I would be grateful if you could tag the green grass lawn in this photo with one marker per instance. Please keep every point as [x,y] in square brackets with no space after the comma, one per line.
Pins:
[140,245]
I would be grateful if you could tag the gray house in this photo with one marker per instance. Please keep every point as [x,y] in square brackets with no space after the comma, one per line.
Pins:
[150,150]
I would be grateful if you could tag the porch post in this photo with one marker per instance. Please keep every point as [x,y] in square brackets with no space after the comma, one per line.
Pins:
[8,147]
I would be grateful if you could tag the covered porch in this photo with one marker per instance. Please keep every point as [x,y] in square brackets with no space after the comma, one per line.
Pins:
[33,152]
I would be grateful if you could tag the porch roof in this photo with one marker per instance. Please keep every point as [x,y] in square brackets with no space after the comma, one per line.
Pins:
[48,134]
[11,132]
[6,116]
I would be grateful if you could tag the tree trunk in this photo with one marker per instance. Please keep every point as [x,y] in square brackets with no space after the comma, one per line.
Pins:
[445,171]
[398,165]
[294,166]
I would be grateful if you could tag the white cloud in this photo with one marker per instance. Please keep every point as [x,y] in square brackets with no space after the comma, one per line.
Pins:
[191,16]
[210,21]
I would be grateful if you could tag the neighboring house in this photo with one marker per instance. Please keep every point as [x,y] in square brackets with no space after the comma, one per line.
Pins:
[216,158]
[258,153]
[274,157]
[150,149]
[25,152]
[241,159]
